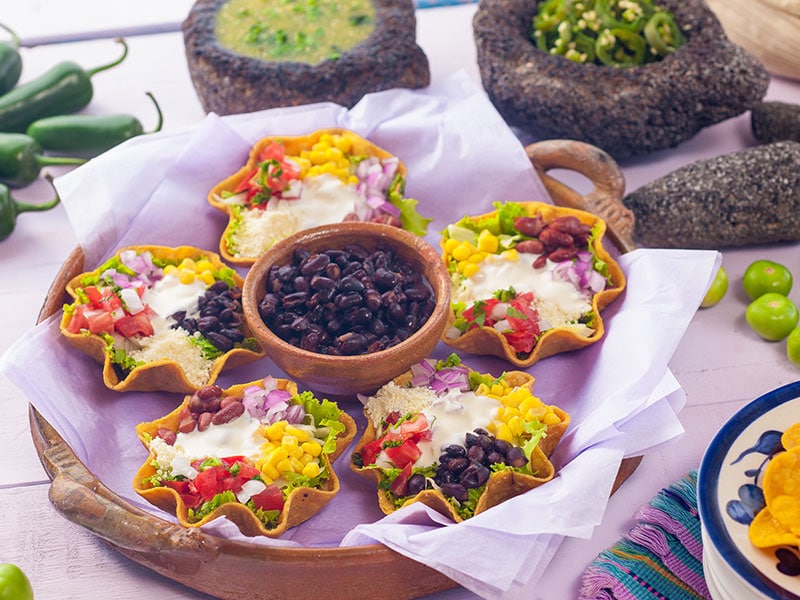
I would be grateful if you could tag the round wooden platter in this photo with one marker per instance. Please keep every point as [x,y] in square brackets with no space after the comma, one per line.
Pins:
[238,570]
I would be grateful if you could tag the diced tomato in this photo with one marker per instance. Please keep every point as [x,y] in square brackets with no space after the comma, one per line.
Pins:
[99,321]
[182,487]
[191,500]
[78,320]
[405,454]
[399,486]
[272,151]
[416,424]
[370,451]
[208,482]
[270,499]
[130,325]
[246,183]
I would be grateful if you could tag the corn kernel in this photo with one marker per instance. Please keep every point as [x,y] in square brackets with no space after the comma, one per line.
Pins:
[284,465]
[311,470]
[510,255]
[515,425]
[535,413]
[275,431]
[278,455]
[322,144]
[468,269]
[203,264]
[269,472]
[186,276]
[289,442]
[487,241]
[207,277]
[450,244]
[352,179]
[188,263]
[306,458]
[477,256]
[297,465]
[343,143]
[462,251]
[327,139]
[312,448]
[551,419]
[267,447]
[302,435]
[333,153]
[504,432]
[317,157]
[170,270]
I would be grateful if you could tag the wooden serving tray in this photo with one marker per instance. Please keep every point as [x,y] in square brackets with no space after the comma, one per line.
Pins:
[238,570]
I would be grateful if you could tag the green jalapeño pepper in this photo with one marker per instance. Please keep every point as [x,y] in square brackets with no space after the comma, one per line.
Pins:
[10,62]
[65,88]
[620,48]
[21,159]
[88,135]
[10,208]
[663,33]
[615,14]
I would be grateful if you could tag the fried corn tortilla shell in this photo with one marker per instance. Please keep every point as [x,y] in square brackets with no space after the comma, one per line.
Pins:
[489,341]
[294,145]
[300,505]
[501,486]
[161,375]
[779,521]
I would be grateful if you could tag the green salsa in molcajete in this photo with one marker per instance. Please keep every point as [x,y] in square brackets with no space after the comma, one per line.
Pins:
[294,30]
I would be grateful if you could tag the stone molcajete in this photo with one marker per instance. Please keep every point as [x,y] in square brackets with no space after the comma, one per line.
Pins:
[228,82]
[625,111]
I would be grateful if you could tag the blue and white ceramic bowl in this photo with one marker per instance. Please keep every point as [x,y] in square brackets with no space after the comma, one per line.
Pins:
[729,495]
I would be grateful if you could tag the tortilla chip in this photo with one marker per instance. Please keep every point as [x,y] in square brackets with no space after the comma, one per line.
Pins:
[301,504]
[501,486]
[162,375]
[782,488]
[791,437]
[766,531]
[489,341]
[294,145]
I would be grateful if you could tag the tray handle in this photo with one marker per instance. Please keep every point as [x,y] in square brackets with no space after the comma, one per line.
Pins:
[605,200]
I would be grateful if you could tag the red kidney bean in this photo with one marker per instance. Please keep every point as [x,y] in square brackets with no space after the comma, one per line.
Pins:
[530,247]
[228,413]
[169,436]
[529,226]
[204,420]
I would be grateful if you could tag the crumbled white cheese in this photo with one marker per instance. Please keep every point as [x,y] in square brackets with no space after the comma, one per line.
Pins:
[259,230]
[171,460]
[174,344]
[391,397]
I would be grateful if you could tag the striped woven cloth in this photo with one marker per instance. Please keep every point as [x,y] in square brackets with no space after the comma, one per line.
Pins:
[660,558]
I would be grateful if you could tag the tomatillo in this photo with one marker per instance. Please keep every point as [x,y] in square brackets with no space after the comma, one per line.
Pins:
[14,584]
[772,316]
[717,289]
[793,346]
[764,276]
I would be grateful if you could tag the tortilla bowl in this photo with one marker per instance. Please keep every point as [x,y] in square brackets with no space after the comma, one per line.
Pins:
[163,374]
[486,340]
[501,485]
[300,504]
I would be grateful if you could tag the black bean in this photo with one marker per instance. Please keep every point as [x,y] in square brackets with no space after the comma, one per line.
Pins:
[502,446]
[385,279]
[495,458]
[352,343]
[516,457]
[351,284]
[347,300]
[218,287]
[456,465]
[455,490]
[315,264]
[220,341]
[456,450]
[415,484]
[476,453]
[475,475]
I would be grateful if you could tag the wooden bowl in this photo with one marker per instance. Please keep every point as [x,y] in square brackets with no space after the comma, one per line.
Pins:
[237,570]
[366,372]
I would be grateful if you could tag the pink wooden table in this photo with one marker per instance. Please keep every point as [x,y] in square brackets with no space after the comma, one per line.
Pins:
[720,363]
